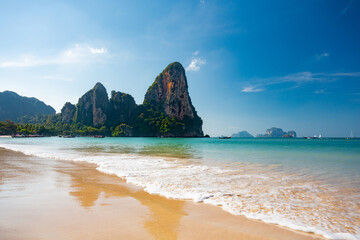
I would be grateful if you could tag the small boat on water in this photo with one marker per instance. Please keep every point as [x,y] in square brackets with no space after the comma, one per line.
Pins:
[68,136]
[224,137]
[18,136]
[35,135]
[308,138]
[99,136]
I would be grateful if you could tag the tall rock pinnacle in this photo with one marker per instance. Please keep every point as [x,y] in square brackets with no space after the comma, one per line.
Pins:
[93,106]
[170,89]
[170,92]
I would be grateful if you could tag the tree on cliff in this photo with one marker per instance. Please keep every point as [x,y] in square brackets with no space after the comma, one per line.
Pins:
[166,111]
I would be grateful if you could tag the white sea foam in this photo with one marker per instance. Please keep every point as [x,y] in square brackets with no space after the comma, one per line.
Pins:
[253,191]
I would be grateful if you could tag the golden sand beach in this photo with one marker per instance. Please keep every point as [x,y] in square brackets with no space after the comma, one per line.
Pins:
[48,199]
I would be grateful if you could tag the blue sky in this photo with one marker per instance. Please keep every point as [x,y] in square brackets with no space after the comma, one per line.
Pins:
[251,65]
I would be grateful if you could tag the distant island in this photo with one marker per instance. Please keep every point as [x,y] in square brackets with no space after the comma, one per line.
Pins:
[166,111]
[242,134]
[270,133]
[277,133]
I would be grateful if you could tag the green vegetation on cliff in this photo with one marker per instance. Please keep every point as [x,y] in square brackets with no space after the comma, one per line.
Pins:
[167,111]
[13,106]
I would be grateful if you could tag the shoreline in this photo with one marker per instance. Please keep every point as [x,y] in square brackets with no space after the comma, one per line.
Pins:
[93,197]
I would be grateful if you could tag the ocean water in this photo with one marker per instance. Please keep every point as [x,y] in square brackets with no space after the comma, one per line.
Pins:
[308,185]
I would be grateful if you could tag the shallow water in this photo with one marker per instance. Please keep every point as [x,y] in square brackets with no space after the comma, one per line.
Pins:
[309,185]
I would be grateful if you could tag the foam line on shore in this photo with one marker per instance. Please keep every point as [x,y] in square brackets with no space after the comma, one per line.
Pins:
[238,191]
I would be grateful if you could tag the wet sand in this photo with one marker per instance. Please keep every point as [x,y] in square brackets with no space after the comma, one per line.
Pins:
[48,199]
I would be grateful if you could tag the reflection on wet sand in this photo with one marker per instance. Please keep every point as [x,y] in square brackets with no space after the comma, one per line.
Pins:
[88,185]
[47,199]
[11,169]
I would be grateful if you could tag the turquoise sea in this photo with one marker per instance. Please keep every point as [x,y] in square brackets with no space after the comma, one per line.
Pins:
[311,185]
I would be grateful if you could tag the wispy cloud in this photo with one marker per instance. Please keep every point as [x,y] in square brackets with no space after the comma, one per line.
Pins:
[342,74]
[321,91]
[305,77]
[300,77]
[83,51]
[348,6]
[78,53]
[56,78]
[322,55]
[252,89]
[195,63]
[297,79]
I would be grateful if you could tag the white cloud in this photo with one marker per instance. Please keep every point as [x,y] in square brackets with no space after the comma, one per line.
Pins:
[195,64]
[23,61]
[320,91]
[251,89]
[77,54]
[83,51]
[322,55]
[98,50]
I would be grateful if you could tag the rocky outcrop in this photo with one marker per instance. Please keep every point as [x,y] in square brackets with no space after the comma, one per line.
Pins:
[14,106]
[92,108]
[167,110]
[122,107]
[291,134]
[242,134]
[278,133]
[67,113]
[170,89]
[123,130]
[169,93]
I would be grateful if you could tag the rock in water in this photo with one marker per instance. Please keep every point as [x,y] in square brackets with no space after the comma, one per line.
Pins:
[122,106]
[278,133]
[68,112]
[170,93]
[291,134]
[93,106]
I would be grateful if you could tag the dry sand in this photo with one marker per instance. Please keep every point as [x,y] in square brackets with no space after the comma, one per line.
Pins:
[48,199]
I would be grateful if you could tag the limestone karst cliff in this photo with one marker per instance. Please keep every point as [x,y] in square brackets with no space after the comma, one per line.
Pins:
[68,112]
[169,92]
[278,133]
[92,108]
[121,109]
[170,89]
[167,109]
